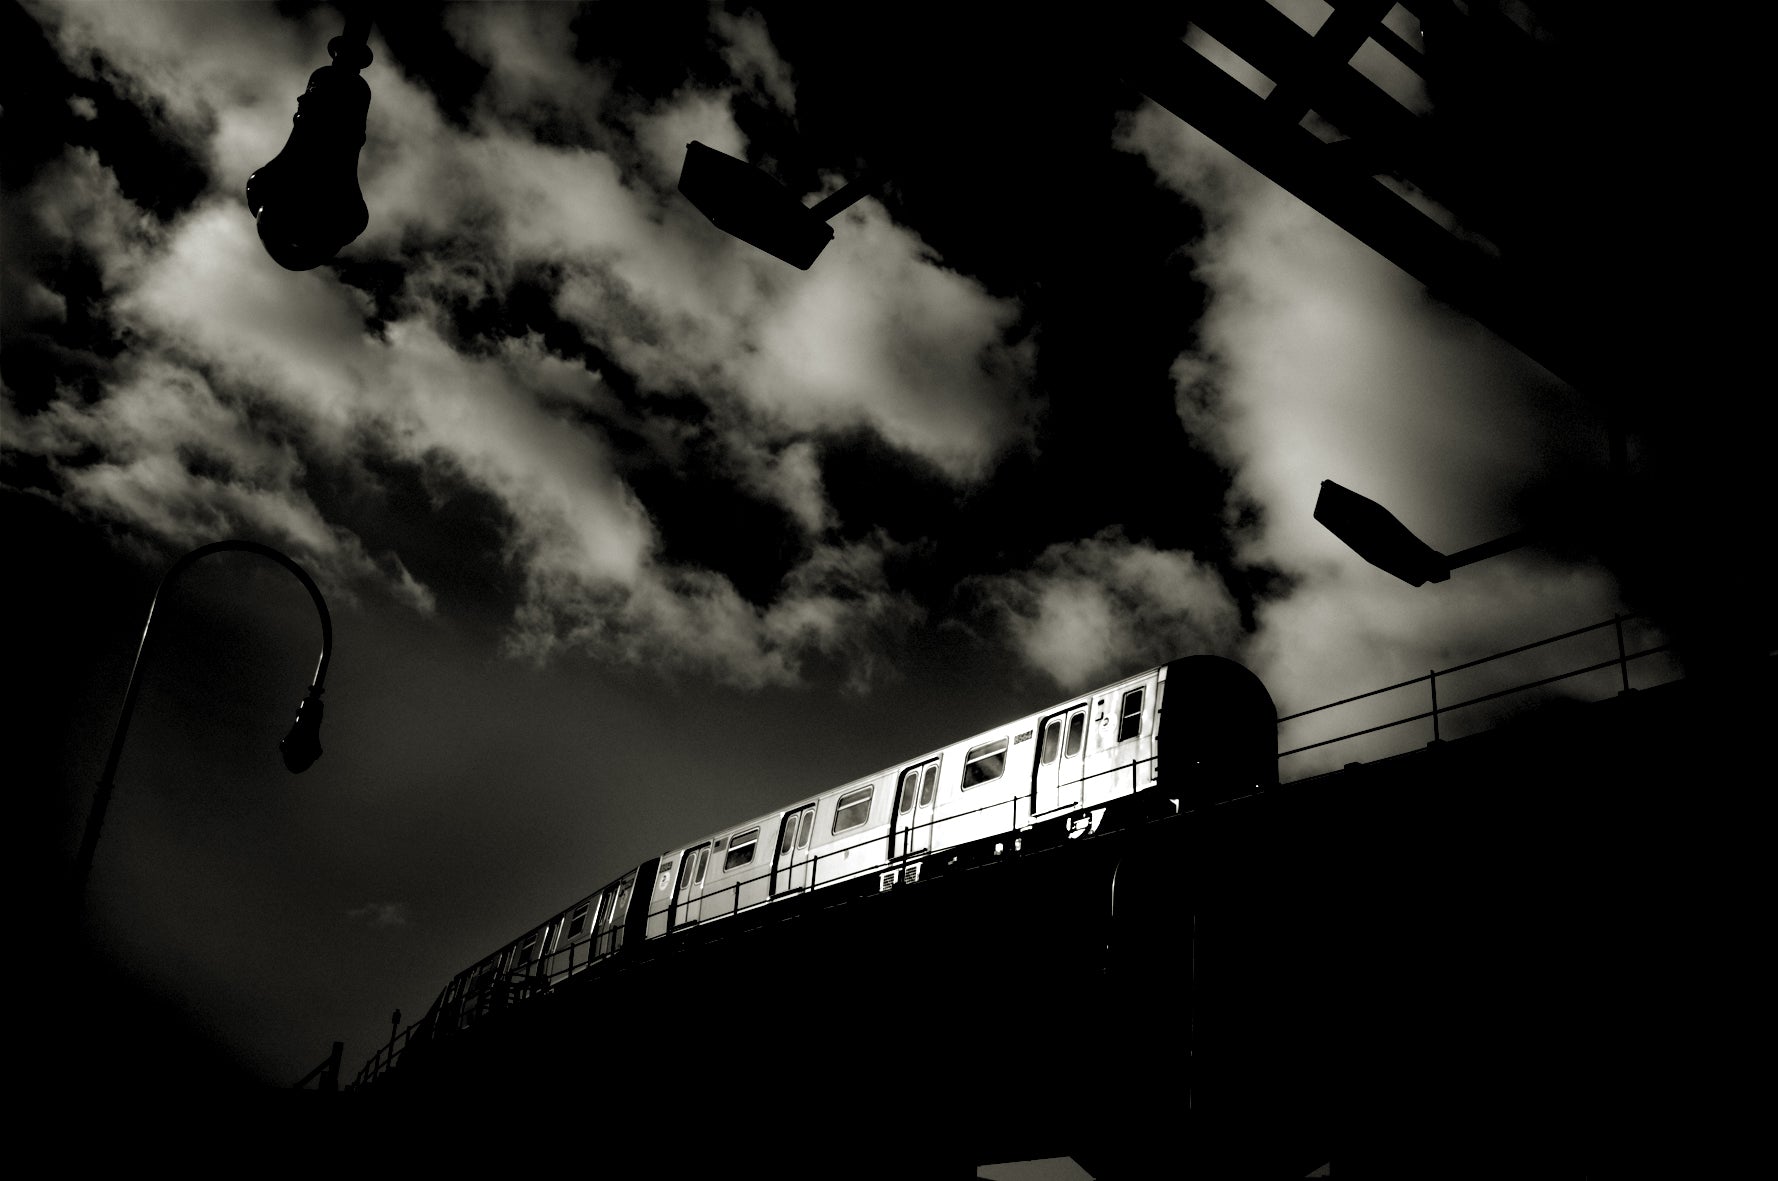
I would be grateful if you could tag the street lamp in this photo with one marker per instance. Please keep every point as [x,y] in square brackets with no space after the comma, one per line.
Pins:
[741,200]
[1376,536]
[299,748]
[306,200]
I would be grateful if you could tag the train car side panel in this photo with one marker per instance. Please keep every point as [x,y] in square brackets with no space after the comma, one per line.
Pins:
[851,828]
[1120,740]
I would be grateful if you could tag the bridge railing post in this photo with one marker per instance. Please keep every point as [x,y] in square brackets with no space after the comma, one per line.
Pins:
[1432,682]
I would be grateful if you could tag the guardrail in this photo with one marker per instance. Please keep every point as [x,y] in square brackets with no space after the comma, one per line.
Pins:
[325,1076]
[384,1059]
[1620,660]
[507,986]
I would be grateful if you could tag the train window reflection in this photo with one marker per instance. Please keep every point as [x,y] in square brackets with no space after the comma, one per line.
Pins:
[984,762]
[577,921]
[1131,723]
[740,849]
[1052,740]
[910,783]
[806,827]
[929,788]
[786,834]
[853,808]
[1077,729]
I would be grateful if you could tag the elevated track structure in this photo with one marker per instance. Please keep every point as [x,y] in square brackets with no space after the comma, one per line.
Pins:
[1437,961]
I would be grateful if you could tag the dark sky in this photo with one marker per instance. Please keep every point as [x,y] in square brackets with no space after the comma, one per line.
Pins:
[630,531]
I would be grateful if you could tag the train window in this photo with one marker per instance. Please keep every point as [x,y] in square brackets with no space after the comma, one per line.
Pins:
[910,785]
[930,787]
[740,849]
[621,906]
[612,906]
[806,827]
[691,867]
[1077,731]
[1052,742]
[787,834]
[577,920]
[853,808]
[985,762]
[1131,723]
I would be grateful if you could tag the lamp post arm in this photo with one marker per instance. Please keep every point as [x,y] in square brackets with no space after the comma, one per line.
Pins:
[358,18]
[848,195]
[95,820]
[1488,549]
[352,47]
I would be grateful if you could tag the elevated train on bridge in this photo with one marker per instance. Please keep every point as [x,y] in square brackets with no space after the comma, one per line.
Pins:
[1178,736]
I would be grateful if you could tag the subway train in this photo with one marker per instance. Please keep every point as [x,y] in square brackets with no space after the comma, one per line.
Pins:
[1172,738]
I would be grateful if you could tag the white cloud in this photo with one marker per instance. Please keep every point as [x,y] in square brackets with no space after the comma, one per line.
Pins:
[749,52]
[75,202]
[789,477]
[1104,605]
[533,77]
[831,605]
[231,103]
[242,377]
[879,335]
[186,465]
[689,115]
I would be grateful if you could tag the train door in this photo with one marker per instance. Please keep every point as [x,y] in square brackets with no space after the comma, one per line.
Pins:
[913,809]
[790,864]
[688,895]
[1059,760]
[614,906]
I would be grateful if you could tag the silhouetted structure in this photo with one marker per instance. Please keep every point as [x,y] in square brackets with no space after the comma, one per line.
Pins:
[1443,963]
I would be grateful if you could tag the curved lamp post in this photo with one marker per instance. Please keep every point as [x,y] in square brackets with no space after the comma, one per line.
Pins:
[300,748]
[1376,536]
[306,200]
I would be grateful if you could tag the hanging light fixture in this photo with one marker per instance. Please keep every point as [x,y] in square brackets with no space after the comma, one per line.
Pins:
[306,200]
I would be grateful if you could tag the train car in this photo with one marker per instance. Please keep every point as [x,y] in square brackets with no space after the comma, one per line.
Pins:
[1179,736]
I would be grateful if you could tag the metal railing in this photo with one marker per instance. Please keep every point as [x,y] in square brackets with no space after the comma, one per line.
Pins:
[325,1076]
[1019,817]
[502,988]
[1436,711]
[385,1058]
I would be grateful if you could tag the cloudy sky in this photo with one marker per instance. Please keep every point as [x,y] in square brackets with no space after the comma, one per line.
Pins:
[629,530]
